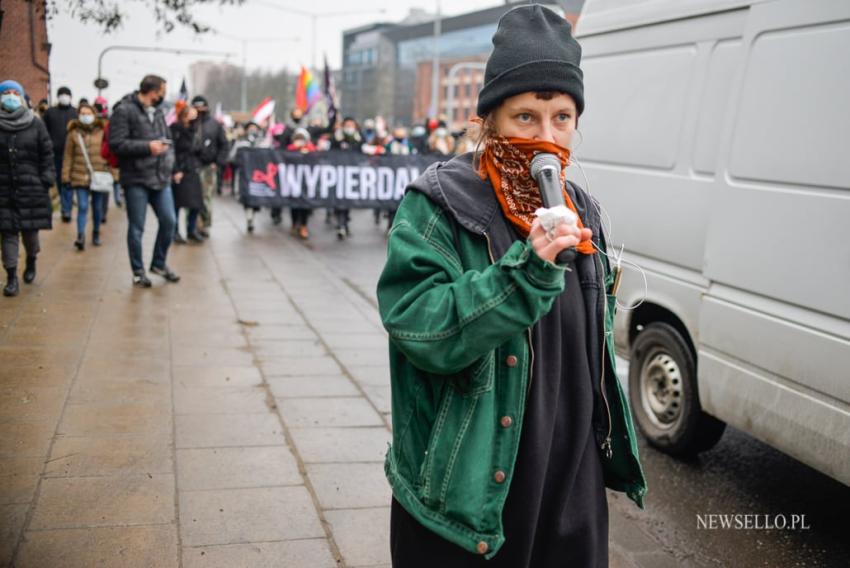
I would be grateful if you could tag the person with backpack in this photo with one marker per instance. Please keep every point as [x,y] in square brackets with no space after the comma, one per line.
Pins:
[213,155]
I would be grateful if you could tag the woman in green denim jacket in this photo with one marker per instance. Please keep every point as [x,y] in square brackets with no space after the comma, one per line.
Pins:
[508,417]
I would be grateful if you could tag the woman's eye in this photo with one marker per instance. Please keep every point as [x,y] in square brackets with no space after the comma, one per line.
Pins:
[563,117]
[524,117]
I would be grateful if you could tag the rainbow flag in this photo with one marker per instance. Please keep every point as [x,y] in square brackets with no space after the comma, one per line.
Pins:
[307,91]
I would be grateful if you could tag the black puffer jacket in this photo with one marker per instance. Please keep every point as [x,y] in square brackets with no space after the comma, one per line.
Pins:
[26,174]
[130,134]
[214,144]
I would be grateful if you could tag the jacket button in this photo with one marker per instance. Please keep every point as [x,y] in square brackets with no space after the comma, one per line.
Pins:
[506,421]
[499,476]
[511,361]
[482,547]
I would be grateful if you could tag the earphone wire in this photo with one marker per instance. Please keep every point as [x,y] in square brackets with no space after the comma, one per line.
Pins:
[617,258]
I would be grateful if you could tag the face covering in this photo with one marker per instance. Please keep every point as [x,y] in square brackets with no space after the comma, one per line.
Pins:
[87,119]
[157,101]
[441,132]
[64,100]
[506,162]
[348,131]
[10,102]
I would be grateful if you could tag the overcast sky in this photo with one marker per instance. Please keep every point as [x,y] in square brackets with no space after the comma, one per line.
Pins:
[76,46]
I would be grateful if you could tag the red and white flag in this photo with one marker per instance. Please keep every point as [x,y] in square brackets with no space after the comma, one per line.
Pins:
[263,111]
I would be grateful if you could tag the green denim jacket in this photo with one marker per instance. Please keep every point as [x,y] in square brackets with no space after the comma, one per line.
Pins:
[460,358]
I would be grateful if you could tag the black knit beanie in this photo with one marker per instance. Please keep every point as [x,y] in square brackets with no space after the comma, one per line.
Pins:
[533,50]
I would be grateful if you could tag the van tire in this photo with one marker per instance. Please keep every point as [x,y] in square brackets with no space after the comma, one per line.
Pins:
[664,395]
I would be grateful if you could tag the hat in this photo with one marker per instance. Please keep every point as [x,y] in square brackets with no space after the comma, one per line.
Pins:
[301,133]
[9,85]
[63,91]
[533,50]
[199,100]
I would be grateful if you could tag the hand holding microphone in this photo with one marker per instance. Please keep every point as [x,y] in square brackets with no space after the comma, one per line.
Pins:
[557,244]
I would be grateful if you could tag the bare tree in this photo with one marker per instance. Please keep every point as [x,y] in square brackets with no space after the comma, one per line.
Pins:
[111,14]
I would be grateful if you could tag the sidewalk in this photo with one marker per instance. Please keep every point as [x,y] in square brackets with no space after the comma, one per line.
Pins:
[236,419]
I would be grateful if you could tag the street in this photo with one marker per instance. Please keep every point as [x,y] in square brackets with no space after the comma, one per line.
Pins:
[240,418]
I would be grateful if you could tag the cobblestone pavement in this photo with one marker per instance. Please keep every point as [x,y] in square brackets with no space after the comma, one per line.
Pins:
[236,419]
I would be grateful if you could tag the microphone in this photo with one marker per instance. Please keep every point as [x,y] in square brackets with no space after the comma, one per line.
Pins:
[546,171]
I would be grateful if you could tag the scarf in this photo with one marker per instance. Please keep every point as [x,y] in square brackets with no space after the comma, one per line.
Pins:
[506,162]
[16,120]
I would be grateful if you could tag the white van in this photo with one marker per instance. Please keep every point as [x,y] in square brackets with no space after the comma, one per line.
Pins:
[717,137]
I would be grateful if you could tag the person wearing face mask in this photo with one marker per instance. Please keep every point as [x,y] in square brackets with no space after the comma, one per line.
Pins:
[253,137]
[213,156]
[348,139]
[56,119]
[441,141]
[301,215]
[188,191]
[509,420]
[140,138]
[82,147]
[26,174]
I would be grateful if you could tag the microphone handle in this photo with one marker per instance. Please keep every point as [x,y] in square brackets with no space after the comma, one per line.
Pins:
[551,195]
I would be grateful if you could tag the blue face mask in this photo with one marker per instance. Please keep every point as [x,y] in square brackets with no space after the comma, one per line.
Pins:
[10,101]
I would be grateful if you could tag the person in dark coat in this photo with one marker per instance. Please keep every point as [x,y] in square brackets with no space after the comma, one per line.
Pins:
[349,139]
[56,119]
[26,174]
[213,155]
[140,138]
[188,192]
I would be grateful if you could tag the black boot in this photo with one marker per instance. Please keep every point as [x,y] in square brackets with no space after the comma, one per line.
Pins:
[11,288]
[29,271]
[95,238]
[80,243]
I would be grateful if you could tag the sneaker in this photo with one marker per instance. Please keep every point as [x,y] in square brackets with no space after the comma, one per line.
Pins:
[141,280]
[178,239]
[340,234]
[250,226]
[66,218]
[80,243]
[303,232]
[195,238]
[166,273]
[95,239]
[203,232]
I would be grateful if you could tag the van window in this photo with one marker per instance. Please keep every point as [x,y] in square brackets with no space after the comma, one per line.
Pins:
[723,65]
[793,125]
[636,101]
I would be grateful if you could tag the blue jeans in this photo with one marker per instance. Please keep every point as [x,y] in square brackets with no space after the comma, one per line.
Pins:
[191,220]
[98,200]
[137,200]
[116,188]
[66,194]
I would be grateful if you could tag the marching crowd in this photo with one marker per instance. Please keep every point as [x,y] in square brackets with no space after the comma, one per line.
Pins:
[130,154]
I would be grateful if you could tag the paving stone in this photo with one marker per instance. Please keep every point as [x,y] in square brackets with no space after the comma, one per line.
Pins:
[359,547]
[341,444]
[18,479]
[215,430]
[312,386]
[26,439]
[328,412]
[12,518]
[230,468]
[110,455]
[380,396]
[125,547]
[288,348]
[306,553]
[376,357]
[299,366]
[369,375]
[195,400]
[356,340]
[350,485]
[76,502]
[237,516]
[216,376]
[211,355]
[145,391]
[96,419]
[27,402]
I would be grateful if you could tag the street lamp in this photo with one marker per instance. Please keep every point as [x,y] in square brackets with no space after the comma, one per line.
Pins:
[435,63]
[245,42]
[100,83]
[314,17]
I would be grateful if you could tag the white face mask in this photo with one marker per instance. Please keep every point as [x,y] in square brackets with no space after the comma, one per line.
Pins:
[441,132]
[64,100]
[87,119]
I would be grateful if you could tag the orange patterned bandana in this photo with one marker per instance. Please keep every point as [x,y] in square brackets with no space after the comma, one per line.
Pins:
[506,162]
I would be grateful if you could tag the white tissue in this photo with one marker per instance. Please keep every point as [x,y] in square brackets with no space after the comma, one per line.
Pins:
[554,216]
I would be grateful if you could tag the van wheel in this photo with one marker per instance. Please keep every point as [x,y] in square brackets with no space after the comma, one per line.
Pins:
[664,396]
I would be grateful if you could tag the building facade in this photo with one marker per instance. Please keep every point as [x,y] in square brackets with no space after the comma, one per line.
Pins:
[387,67]
[24,46]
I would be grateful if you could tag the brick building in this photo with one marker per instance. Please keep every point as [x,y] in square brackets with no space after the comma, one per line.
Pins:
[24,46]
